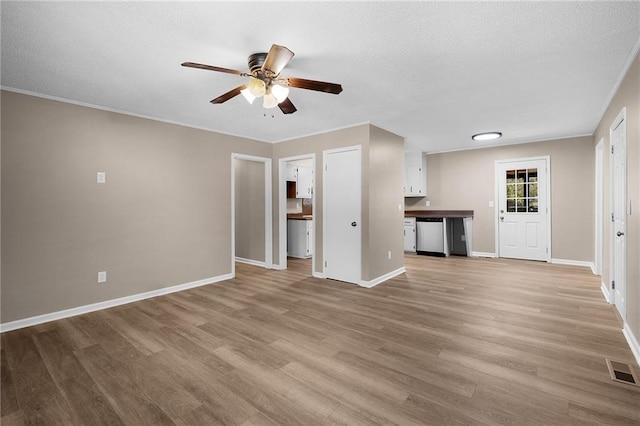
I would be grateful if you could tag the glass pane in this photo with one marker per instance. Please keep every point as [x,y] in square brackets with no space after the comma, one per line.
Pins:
[521,205]
[511,191]
[520,191]
[511,176]
[533,205]
[533,175]
[511,205]
[521,175]
[533,190]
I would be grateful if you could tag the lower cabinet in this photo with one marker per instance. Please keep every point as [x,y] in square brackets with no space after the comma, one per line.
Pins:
[299,238]
[410,234]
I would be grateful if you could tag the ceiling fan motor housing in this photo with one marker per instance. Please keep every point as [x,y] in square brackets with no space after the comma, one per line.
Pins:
[255,62]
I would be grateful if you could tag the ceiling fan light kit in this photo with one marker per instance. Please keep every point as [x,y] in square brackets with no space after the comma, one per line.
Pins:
[265,80]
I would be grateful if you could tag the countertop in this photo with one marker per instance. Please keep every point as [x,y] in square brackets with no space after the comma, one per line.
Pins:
[299,216]
[438,213]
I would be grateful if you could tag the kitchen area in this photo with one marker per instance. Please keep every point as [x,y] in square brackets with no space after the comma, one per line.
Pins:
[432,232]
[299,178]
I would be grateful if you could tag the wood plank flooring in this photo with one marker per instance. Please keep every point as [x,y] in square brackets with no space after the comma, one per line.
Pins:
[452,341]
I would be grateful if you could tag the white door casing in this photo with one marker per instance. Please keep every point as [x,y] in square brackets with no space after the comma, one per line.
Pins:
[282,209]
[342,178]
[523,221]
[618,170]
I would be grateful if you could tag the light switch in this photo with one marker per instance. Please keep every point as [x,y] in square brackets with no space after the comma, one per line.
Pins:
[427,203]
[491,204]
[102,277]
[102,177]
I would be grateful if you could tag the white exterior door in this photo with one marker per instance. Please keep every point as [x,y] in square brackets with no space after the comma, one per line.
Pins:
[618,134]
[342,176]
[523,209]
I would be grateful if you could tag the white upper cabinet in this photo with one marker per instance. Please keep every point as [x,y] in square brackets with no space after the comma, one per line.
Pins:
[304,182]
[415,174]
[292,173]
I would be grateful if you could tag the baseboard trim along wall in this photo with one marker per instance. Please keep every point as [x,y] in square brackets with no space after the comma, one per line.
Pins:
[605,291]
[374,282]
[633,342]
[250,261]
[482,254]
[569,262]
[317,274]
[53,316]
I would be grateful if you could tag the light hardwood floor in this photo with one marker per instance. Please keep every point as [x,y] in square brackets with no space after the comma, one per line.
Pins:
[452,341]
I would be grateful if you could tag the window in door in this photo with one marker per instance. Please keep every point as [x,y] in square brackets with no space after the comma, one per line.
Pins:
[522,190]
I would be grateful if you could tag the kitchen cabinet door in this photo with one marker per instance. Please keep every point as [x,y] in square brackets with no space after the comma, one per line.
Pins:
[415,166]
[410,238]
[299,238]
[304,183]
[291,173]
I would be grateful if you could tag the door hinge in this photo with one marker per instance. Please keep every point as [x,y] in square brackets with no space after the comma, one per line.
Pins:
[547,250]
[325,168]
[325,263]
[612,219]
[613,285]
[612,149]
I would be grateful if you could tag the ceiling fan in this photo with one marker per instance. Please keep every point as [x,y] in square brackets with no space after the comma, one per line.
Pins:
[265,80]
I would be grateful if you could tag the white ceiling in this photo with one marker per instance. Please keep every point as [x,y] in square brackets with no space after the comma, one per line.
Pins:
[433,72]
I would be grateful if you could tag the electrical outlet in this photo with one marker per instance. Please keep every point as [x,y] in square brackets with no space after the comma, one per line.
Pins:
[101,177]
[389,254]
[102,277]
[463,238]
[427,203]
[490,204]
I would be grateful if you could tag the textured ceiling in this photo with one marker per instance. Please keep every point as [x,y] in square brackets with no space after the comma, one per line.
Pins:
[433,72]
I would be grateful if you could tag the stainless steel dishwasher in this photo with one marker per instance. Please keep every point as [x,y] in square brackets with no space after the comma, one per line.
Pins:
[430,236]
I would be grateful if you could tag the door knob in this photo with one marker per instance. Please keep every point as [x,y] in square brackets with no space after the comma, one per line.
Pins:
[354,224]
[619,234]
[501,217]
[501,211]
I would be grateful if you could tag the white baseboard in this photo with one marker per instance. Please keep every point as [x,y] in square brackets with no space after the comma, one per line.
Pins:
[633,342]
[53,316]
[482,254]
[605,291]
[573,263]
[374,282]
[317,274]
[250,261]
[278,267]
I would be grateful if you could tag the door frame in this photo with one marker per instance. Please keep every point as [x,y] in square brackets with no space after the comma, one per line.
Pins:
[282,209]
[268,221]
[622,116]
[324,205]
[547,160]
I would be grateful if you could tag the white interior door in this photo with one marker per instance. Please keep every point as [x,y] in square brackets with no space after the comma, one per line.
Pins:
[618,134]
[342,177]
[523,209]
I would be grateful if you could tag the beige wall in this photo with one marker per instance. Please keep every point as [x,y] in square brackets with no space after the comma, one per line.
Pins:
[383,195]
[465,180]
[249,209]
[628,95]
[162,219]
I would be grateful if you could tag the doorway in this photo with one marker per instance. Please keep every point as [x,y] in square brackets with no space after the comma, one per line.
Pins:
[599,213]
[297,211]
[342,199]
[523,221]
[251,217]
[618,171]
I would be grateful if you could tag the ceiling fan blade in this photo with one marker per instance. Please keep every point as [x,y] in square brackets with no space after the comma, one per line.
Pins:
[287,107]
[212,68]
[230,94]
[277,58]
[320,86]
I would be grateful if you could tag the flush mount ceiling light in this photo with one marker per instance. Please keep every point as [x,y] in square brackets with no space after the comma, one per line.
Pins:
[486,136]
[266,82]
